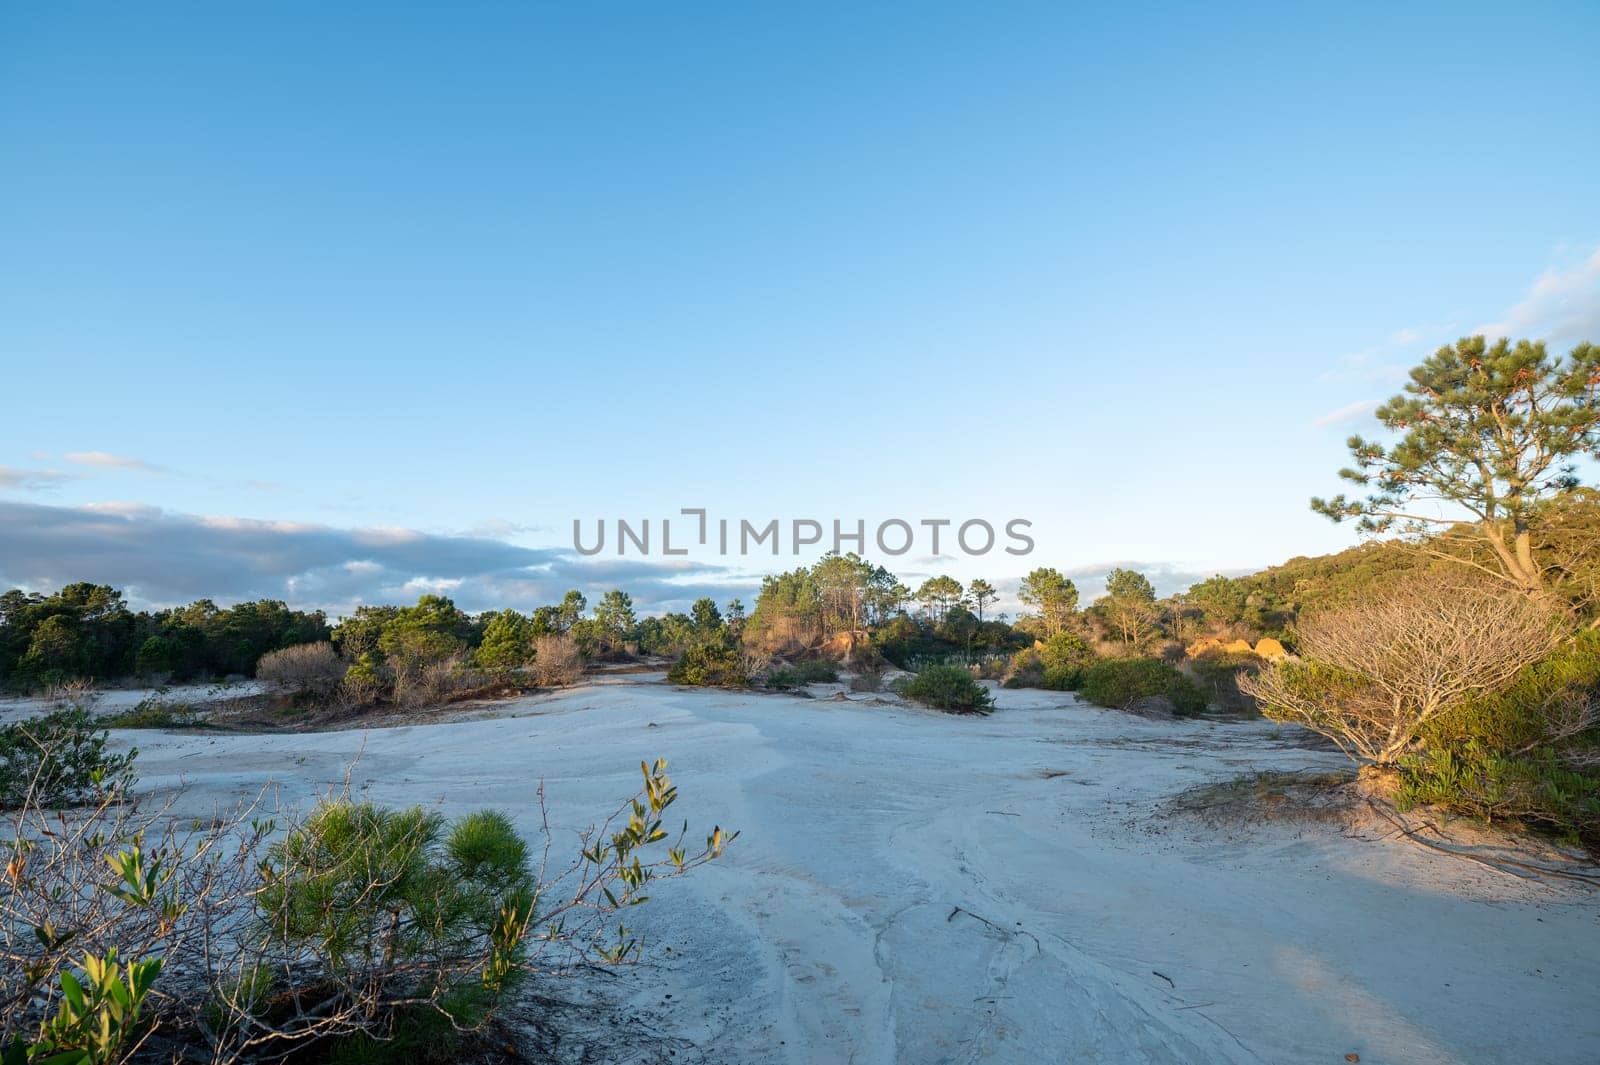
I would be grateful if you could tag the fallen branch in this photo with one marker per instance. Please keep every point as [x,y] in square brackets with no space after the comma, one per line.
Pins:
[1507,866]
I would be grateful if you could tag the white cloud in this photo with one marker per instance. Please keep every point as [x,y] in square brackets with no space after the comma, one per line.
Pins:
[106,461]
[1348,413]
[31,480]
[1562,306]
[1375,364]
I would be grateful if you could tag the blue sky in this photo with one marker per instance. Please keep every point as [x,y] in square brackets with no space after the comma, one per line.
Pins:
[465,274]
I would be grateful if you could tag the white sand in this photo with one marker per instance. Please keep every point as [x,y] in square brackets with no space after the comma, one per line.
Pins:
[911,887]
[115,700]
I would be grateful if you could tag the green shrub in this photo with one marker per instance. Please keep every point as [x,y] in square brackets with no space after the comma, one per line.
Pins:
[363,934]
[1066,650]
[1217,674]
[947,687]
[363,681]
[1025,670]
[389,897]
[1056,664]
[1120,682]
[153,713]
[1518,716]
[1061,678]
[712,664]
[62,757]
[1533,790]
[807,671]
[101,1010]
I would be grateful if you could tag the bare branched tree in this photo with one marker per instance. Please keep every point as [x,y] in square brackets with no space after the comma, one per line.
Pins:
[305,668]
[556,661]
[1376,671]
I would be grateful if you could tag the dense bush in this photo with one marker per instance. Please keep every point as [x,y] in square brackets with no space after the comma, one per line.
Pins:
[397,899]
[1066,650]
[908,642]
[1542,704]
[806,671]
[306,669]
[1120,682]
[1057,664]
[1217,673]
[59,759]
[428,683]
[363,934]
[1024,670]
[363,681]
[556,661]
[713,663]
[947,687]
[507,643]
[1376,673]
[1534,790]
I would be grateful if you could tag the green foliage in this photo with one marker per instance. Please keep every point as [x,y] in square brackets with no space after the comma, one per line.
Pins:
[154,713]
[911,643]
[1129,584]
[1217,674]
[704,616]
[806,671]
[87,631]
[1066,651]
[947,687]
[1517,717]
[363,934]
[406,639]
[1220,600]
[1057,664]
[1491,429]
[1061,679]
[712,664]
[982,593]
[362,680]
[372,890]
[1274,597]
[558,618]
[1053,595]
[414,1035]
[1118,683]
[939,594]
[613,624]
[100,1012]
[1128,609]
[1533,790]
[62,757]
[667,634]
[507,642]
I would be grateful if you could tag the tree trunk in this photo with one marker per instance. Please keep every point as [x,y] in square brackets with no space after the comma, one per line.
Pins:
[1530,576]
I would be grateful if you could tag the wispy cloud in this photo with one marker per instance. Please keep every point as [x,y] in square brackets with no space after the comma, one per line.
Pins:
[106,461]
[162,558]
[31,480]
[1562,306]
[1348,413]
[1383,363]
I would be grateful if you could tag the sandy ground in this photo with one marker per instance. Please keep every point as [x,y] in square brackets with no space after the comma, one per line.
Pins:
[115,700]
[913,887]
